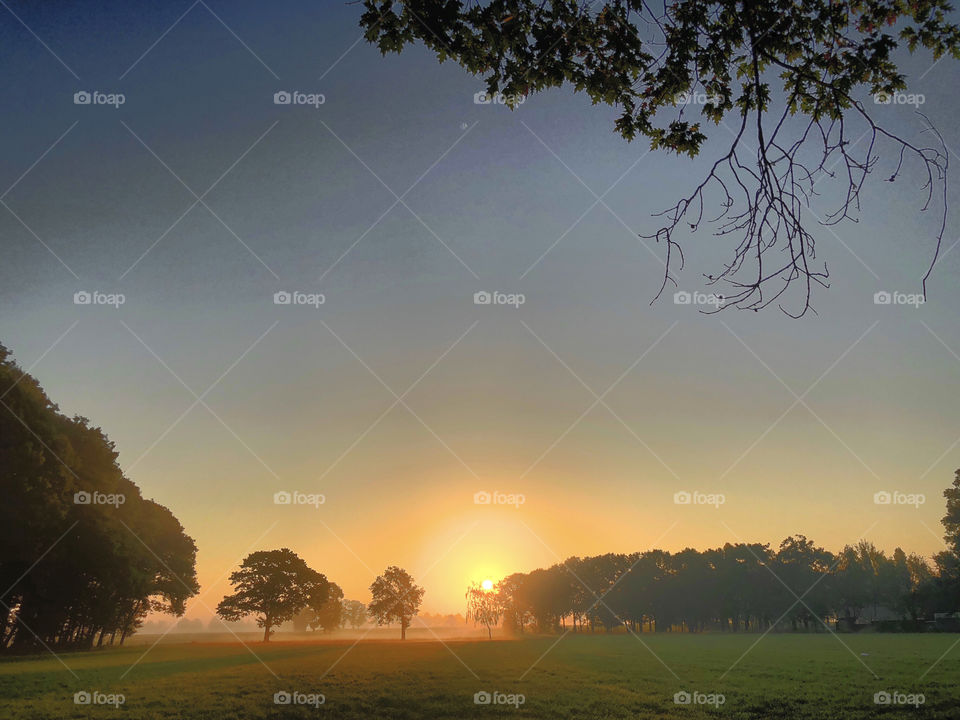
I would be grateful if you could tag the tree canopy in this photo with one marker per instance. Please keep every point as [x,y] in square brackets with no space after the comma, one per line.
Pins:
[483,607]
[274,585]
[747,587]
[329,614]
[396,598]
[789,80]
[84,555]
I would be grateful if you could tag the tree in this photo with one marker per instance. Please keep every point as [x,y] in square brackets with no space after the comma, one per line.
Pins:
[483,607]
[951,521]
[304,620]
[395,598]
[354,613]
[801,565]
[516,612]
[109,556]
[274,585]
[329,614]
[791,78]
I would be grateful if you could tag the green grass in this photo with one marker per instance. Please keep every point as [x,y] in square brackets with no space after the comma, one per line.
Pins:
[782,676]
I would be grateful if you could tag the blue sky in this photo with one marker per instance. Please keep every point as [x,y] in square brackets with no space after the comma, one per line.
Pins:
[508,401]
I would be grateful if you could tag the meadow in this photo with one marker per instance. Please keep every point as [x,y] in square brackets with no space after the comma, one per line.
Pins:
[574,676]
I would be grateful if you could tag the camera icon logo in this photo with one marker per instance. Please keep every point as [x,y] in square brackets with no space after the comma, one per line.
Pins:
[482,298]
[682,698]
[82,297]
[282,698]
[682,498]
[882,498]
[482,698]
[81,98]
[81,698]
[281,97]
[882,298]
[882,698]
[482,498]
[682,297]
[82,498]
[282,298]
[482,98]
[282,498]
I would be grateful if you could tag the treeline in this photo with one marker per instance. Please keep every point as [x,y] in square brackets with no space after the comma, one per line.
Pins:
[83,556]
[332,614]
[737,587]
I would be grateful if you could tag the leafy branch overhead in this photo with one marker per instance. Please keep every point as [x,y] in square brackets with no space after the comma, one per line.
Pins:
[788,79]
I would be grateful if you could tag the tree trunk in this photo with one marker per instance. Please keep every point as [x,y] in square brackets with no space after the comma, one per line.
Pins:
[403,629]
[266,632]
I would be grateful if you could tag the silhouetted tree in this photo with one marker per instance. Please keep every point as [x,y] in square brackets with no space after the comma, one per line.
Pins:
[274,585]
[951,521]
[329,614]
[354,613]
[396,598]
[483,607]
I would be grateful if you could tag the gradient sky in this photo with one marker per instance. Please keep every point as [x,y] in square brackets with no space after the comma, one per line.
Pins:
[306,398]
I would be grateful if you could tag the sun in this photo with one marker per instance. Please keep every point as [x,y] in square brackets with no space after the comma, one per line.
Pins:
[487,585]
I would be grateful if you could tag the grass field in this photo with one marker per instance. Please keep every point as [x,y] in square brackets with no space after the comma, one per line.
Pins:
[783,676]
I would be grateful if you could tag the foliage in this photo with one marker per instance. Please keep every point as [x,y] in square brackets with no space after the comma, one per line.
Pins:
[274,585]
[483,607]
[83,556]
[396,598]
[329,614]
[354,613]
[786,78]
[735,588]
[951,521]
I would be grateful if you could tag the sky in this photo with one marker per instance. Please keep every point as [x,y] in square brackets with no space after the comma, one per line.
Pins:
[585,409]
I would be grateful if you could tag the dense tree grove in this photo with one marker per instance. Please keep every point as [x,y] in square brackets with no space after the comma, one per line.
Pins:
[83,556]
[737,587]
